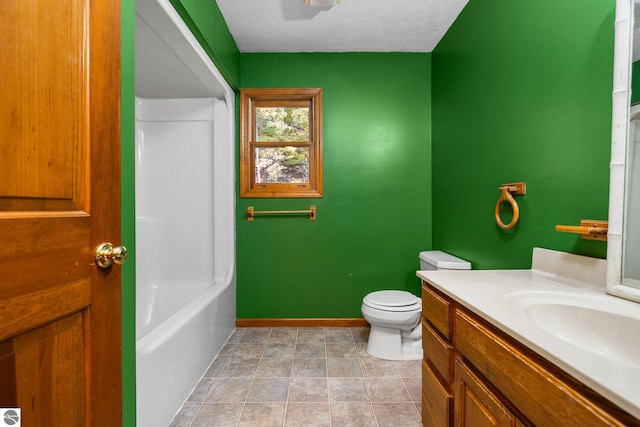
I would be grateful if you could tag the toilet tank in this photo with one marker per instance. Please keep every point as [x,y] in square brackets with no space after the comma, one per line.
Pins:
[438,260]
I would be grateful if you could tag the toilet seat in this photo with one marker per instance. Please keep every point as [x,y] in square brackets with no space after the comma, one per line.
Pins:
[397,301]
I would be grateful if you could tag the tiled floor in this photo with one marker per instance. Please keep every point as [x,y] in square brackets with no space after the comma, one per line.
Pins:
[303,377]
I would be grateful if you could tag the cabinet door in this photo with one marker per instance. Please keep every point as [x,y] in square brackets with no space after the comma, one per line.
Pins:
[475,405]
[540,394]
[436,400]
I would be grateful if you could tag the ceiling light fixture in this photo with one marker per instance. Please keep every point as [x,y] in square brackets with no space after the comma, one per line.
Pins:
[321,2]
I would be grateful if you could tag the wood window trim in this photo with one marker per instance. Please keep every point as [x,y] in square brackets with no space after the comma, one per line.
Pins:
[276,97]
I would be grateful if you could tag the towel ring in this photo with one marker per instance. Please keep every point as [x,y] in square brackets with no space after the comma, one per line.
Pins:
[506,196]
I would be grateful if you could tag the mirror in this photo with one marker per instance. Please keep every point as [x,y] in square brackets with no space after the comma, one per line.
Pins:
[623,254]
[631,224]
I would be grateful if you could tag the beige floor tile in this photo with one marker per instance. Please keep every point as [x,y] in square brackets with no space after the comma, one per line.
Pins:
[387,389]
[311,335]
[262,414]
[352,415]
[307,415]
[418,406]
[232,389]
[309,368]
[279,350]
[240,368]
[338,335]
[274,368]
[414,387]
[248,351]
[409,368]
[360,334]
[186,415]
[227,349]
[218,414]
[347,390]
[236,335]
[216,367]
[374,367]
[283,335]
[308,389]
[361,348]
[311,377]
[312,350]
[269,390]
[343,368]
[397,415]
[199,394]
[256,335]
[341,350]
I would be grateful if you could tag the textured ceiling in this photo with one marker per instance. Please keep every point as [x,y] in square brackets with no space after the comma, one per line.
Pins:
[349,26]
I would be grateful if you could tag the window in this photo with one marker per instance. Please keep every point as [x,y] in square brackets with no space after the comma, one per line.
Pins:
[281,143]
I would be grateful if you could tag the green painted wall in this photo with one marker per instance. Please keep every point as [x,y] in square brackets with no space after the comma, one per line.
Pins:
[204,19]
[635,83]
[375,215]
[521,92]
[128,214]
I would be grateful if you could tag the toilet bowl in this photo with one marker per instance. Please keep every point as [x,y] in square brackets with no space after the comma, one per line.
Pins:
[394,316]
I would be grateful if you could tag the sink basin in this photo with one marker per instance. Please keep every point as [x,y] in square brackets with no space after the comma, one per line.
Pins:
[599,324]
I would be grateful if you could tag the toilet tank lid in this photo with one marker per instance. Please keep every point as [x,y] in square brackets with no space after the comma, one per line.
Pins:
[444,260]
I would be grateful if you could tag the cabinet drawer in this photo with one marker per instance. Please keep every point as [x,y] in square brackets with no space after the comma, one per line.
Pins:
[436,400]
[437,310]
[438,351]
[519,377]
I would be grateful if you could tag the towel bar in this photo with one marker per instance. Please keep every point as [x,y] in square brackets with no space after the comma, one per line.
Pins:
[588,229]
[311,212]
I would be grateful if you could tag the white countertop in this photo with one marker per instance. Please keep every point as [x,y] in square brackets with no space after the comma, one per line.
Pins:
[489,294]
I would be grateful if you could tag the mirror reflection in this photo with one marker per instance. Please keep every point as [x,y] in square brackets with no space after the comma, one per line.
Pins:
[623,251]
[635,53]
[631,219]
[631,243]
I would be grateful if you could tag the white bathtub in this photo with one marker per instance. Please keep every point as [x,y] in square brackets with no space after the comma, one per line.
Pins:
[185,213]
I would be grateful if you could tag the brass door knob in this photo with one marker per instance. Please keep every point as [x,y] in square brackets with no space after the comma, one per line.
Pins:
[107,254]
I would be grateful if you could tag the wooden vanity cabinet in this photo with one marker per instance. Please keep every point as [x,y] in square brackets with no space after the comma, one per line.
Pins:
[475,375]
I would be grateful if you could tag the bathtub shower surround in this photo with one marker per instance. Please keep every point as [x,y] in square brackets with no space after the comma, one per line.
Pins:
[185,275]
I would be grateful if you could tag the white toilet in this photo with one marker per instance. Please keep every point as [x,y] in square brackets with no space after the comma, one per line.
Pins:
[394,316]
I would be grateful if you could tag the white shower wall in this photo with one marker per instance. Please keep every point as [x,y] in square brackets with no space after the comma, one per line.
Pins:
[185,212]
[185,286]
[175,205]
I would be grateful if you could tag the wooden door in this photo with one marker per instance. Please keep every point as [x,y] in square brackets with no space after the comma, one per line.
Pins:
[60,324]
